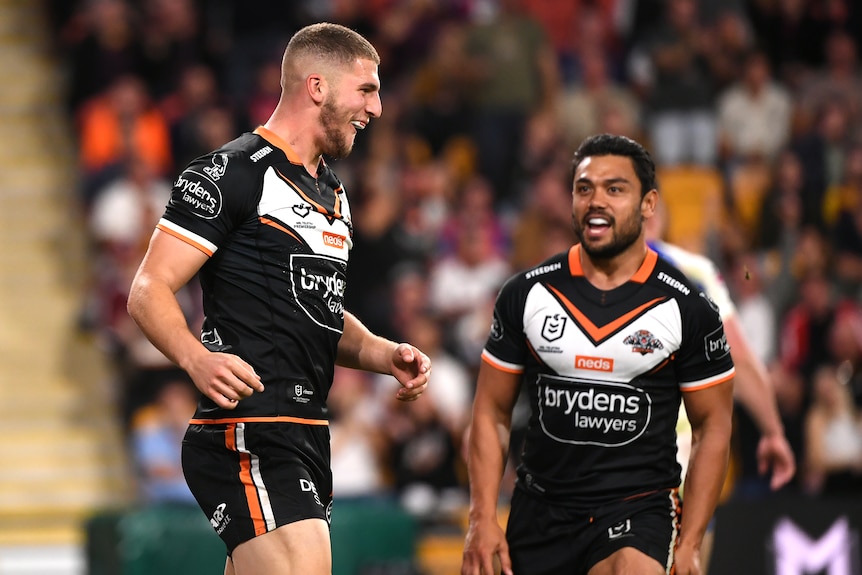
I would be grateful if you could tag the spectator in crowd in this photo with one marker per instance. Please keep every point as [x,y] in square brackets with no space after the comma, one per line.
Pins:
[121,123]
[359,447]
[195,91]
[583,104]
[156,438]
[845,202]
[833,437]
[840,79]
[821,151]
[754,115]
[513,75]
[680,115]
[102,44]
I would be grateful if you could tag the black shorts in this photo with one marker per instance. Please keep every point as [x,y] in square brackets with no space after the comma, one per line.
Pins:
[547,539]
[251,478]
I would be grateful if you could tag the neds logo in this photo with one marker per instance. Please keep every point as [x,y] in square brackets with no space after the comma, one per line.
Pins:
[594,363]
[333,240]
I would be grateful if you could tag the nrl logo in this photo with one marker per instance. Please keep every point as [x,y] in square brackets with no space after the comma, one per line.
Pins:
[553,327]
[643,342]
[301,210]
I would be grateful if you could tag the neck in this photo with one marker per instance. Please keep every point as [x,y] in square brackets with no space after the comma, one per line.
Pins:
[609,273]
[298,130]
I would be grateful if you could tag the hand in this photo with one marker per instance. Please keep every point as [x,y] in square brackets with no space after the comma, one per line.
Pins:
[224,378]
[686,561]
[773,452]
[484,542]
[412,369]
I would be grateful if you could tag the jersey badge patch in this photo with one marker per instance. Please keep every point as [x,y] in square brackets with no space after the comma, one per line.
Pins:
[200,193]
[218,168]
[643,342]
[553,328]
[301,210]
[715,344]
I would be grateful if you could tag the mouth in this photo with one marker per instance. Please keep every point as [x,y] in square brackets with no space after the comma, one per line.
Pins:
[358,125]
[596,226]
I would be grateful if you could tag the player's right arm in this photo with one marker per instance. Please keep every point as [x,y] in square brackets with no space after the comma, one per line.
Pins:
[168,265]
[488,444]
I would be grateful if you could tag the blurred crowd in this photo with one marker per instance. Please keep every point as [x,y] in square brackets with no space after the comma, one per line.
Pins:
[465,180]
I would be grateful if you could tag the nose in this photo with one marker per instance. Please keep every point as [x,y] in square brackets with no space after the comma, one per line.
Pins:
[374,106]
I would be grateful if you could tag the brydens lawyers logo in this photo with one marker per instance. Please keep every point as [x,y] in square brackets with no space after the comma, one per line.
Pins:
[594,363]
[333,240]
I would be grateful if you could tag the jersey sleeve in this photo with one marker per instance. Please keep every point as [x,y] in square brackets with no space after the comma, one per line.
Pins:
[506,347]
[210,198]
[704,357]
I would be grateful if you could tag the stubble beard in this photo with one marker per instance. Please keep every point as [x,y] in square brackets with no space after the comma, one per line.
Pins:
[335,144]
[622,239]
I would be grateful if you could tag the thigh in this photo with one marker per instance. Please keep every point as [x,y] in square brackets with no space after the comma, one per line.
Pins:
[298,548]
[544,539]
[627,561]
[250,480]
[636,536]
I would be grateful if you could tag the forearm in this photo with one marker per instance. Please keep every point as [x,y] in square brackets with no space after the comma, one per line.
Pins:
[155,309]
[753,387]
[486,460]
[756,395]
[703,482]
[358,348]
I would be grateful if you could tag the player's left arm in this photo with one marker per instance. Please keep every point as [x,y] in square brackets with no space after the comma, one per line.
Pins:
[358,348]
[710,412]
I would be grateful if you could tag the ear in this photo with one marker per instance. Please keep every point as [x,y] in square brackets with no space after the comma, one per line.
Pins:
[317,87]
[649,203]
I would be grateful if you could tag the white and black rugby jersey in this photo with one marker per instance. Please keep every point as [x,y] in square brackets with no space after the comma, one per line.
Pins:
[273,288]
[604,372]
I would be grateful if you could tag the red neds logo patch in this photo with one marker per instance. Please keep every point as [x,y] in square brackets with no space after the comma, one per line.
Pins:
[594,363]
[333,240]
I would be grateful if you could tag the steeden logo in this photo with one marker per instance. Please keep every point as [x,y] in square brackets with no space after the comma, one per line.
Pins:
[594,363]
[333,240]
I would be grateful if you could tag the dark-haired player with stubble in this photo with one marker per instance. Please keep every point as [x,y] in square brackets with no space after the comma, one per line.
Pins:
[265,223]
[608,339]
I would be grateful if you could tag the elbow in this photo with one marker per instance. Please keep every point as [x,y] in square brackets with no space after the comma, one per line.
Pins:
[134,301]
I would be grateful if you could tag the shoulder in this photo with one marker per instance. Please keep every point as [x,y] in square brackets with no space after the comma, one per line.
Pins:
[690,294]
[553,266]
[700,271]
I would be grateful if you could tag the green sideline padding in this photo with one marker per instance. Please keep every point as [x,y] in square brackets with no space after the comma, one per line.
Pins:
[162,540]
[371,538]
[367,538]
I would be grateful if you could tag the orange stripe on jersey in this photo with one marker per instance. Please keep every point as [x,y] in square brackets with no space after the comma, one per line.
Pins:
[648,265]
[641,276]
[575,260]
[270,419]
[185,239]
[599,333]
[278,226]
[710,384]
[499,367]
[276,141]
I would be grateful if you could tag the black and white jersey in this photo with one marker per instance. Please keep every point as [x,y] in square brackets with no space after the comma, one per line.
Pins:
[604,371]
[273,288]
